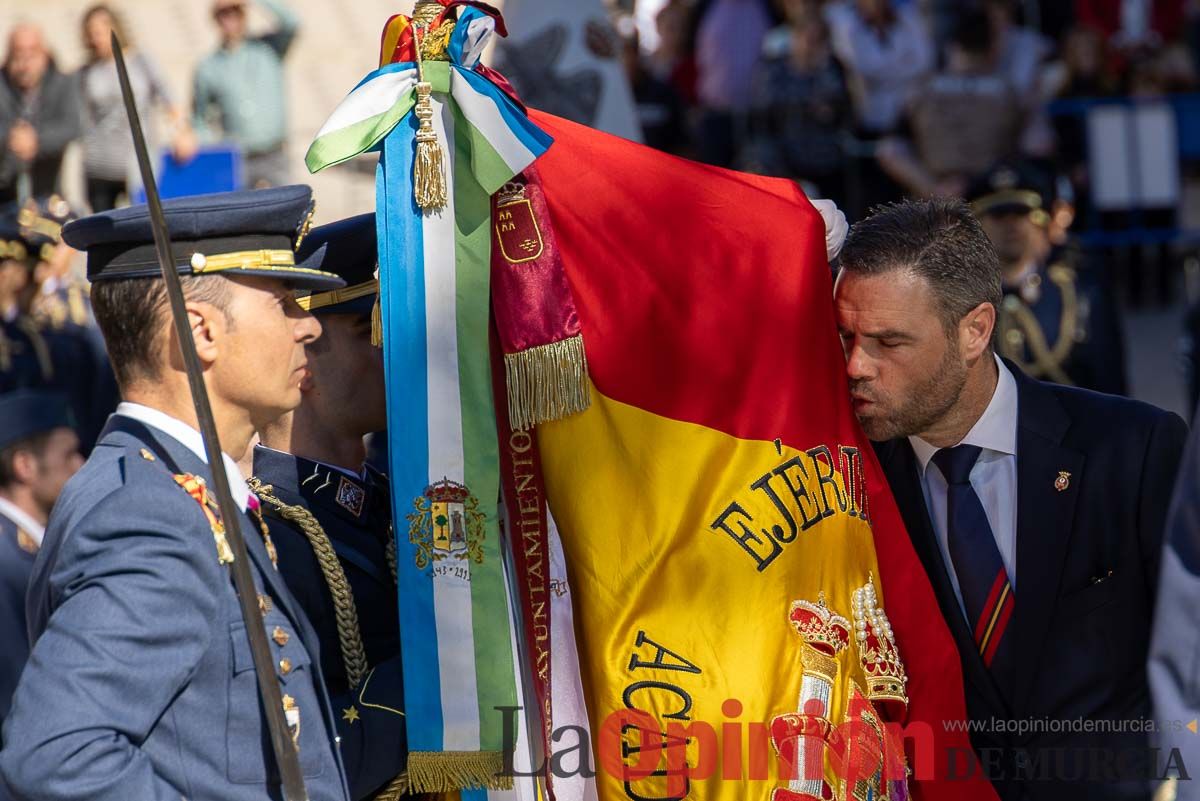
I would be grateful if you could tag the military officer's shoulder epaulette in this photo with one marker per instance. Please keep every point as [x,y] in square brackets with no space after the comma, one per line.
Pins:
[140,470]
[122,479]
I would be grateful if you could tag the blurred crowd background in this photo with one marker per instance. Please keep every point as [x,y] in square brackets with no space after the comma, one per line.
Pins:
[866,101]
[1092,104]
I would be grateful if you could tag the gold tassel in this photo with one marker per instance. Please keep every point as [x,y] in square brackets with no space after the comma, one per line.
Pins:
[444,771]
[548,382]
[429,167]
[429,170]
[377,324]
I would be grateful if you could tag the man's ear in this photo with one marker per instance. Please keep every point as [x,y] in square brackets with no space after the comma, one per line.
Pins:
[208,329]
[25,466]
[975,331]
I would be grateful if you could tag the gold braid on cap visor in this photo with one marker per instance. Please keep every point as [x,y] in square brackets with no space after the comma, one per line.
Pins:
[319,300]
[1007,197]
[282,260]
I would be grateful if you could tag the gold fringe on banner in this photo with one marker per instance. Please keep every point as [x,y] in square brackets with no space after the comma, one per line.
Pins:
[547,383]
[377,324]
[444,771]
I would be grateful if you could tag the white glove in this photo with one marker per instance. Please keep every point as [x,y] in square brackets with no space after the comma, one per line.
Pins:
[836,226]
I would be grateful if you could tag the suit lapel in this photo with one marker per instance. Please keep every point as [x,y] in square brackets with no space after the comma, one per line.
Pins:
[1044,520]
[900,465]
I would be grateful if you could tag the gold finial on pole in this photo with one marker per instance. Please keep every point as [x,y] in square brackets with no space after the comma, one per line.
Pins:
[425,12]
[435,35]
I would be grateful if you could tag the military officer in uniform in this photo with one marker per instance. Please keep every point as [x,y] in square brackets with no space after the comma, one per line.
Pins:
[38,453]
[1056,323]
[330,514]
[61,311]
[59,302]
[140,683]
[25,359]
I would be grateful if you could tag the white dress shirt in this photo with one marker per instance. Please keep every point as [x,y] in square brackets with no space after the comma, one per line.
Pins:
[994,476]
[189,438]
[24,522]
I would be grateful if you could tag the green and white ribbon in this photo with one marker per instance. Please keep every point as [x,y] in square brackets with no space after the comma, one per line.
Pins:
[456,635]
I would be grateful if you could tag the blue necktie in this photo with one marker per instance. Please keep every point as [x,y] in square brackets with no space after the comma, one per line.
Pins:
[986,592]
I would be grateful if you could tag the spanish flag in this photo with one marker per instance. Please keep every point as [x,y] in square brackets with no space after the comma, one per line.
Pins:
[751,619]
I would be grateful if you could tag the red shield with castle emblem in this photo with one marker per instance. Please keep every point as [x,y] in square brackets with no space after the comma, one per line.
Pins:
[517,231]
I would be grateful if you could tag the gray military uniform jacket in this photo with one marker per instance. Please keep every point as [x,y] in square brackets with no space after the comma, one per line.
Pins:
[1175,645]
[140,683]
[17,549]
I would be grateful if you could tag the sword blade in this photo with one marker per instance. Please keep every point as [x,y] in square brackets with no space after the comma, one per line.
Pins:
[264,664]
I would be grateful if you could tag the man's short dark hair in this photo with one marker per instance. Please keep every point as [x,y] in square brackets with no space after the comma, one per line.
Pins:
[35,444]
[131,313]
[939,240]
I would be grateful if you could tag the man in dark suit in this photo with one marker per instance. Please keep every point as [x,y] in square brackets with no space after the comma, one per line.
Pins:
[26,361]
[38,453]
[1037,510]
[329,513]
[141,683]
[61,311]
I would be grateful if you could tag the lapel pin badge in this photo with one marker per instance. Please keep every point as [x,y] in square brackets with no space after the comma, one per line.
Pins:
[1063,481]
